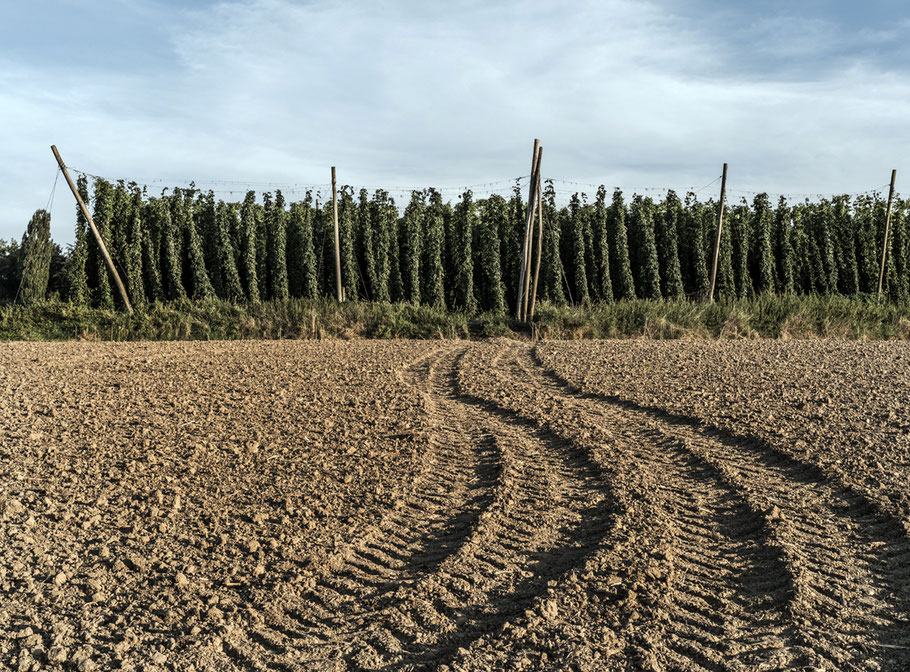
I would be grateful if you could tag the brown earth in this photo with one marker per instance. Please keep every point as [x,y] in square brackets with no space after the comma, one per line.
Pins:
[454,506]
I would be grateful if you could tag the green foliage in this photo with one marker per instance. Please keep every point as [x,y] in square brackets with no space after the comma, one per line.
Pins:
[602,283]
[347,215]
[462,256]
[488,287]
[693,248]
[620,259]
[667,234]
[36,258]
[186,244]
[133,279]
[576,251]
[783,248]
[151,249]
[380,229]
[641,222]
[99,276]
[552,275]
[196,279]
[762,250]
[740,227]
[249,268]
[276,248]
[78,258]
[411,246]
[433,234]
[10,270]
[302,278]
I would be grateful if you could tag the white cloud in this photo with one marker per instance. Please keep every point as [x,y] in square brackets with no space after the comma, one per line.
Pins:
[418,94]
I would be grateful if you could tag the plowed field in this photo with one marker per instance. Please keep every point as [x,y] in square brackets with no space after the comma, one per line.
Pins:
[336,505]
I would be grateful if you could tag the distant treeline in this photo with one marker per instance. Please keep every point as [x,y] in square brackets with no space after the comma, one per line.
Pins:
[466,255]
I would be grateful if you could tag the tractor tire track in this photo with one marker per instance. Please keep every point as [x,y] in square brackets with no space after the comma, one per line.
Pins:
[551,512]
[726,605]
[455,486]
[850,559]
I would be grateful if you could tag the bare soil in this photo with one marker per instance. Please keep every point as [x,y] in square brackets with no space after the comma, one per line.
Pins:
[455,506]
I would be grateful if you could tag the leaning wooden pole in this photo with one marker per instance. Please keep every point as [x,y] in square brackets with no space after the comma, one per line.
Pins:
[881,272]
[524,244]
[720,224]
[533,210]
[91,223]
[539,245]
[338,289]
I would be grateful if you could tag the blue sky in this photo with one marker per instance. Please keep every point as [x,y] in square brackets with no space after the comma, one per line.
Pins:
[799,97]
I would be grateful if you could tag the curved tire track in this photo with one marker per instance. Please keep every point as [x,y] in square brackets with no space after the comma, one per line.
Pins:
[552,511]
[456,485]
[850,559]
[726,606]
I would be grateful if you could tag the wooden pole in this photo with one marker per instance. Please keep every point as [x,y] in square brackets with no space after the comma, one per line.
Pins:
[881,273]
[91,223]
[337,243]
[524,245]
[533,208]
[539,244]
[720,224]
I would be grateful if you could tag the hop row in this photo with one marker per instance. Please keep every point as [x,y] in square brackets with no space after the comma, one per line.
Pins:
[466,255]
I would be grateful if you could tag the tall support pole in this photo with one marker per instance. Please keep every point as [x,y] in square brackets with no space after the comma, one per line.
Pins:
[338,289]
[539,244]
[881,272]
[524,245]
[720,224]
[533,209]
[91,223]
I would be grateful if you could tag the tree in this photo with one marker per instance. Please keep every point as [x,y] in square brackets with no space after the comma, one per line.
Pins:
[10,269]
[667,234]
[620,263]
[36,258]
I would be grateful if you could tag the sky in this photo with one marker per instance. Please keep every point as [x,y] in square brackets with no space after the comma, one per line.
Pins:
[800,98]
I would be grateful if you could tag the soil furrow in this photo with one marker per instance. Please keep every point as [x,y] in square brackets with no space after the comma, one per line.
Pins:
[723,560]
[852,603]
[552,506]
[455,488]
